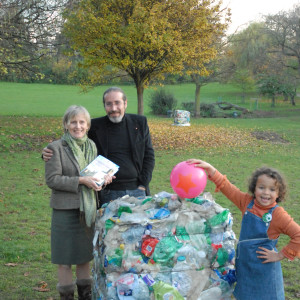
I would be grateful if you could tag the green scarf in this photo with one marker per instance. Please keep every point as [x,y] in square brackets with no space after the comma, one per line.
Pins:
[84,151]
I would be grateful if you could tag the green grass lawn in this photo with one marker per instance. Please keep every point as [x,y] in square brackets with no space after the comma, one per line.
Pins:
[25,268]
[23,99]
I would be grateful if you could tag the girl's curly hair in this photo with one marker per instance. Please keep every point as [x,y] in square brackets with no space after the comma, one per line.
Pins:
[280,181]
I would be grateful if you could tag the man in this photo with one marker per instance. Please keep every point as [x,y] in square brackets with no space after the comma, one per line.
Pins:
[125,140]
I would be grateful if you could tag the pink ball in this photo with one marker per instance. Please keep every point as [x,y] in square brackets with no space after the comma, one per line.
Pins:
[187,180]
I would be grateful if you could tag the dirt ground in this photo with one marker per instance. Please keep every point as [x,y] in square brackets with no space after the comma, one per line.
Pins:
[269,136]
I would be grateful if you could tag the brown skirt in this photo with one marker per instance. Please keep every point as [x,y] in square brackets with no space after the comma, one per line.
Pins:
[71,240]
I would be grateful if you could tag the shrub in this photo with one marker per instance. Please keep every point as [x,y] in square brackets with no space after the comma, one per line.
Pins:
[207,110]
[162,101]
[189,106]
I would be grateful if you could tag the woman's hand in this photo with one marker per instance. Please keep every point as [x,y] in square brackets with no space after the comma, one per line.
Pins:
[202,164]
[90,182]
[269,255]
[108,179]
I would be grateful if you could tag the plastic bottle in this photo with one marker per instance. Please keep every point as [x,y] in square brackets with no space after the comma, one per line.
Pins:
[220,221]
[159,232]
[216,238]
[141,292]
[226,289]
[200,242]
[158,213]
[111,291]
[134,218]
[164,291]
[194,258]
[109,224]
[148,246]
[197,200]
[174,203]
[182,234]
[133,234]
[180,278]
[229,246]
[132,260]
[214,293]
[165,250]
[165,277]
[113,259]
[196,227]
[126,283]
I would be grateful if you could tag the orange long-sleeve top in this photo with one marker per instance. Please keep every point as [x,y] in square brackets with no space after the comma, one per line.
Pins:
[282,222]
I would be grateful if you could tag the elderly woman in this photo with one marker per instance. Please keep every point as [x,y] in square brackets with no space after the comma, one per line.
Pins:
[73,202]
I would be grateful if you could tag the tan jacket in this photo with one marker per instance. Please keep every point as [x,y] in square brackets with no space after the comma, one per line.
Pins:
[62,176]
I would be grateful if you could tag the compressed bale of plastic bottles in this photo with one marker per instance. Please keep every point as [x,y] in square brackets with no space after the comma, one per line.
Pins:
[162,247]
[181,118]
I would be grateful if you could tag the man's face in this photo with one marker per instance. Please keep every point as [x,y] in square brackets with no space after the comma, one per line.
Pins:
[115,106]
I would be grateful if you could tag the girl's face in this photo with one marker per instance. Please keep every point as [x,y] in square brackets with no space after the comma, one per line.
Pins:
[78,126]
[266,190]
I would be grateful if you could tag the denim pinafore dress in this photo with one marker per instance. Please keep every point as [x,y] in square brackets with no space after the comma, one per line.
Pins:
[256,280]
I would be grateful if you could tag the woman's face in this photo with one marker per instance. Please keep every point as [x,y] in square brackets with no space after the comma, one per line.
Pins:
[78,126]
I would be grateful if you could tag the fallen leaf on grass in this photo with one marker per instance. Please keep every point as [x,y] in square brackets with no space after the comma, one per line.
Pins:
[42,287]
[26,274]
[38,289]
[11,264]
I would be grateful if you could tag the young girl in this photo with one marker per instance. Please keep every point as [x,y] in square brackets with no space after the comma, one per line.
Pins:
[258,268]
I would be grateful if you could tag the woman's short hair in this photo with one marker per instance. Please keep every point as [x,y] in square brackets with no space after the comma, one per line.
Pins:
[72,112]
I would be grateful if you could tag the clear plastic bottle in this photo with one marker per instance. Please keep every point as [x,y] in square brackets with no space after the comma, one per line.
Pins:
[214,293]
[194,258]
[196,227]
[126,283]
[180,277]
[135,217]
[141,292]
[200,242]
[133,234]
[111,292]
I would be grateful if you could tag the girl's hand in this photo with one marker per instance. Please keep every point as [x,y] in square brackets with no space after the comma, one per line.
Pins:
[269,255]
[202,164]
[90,182]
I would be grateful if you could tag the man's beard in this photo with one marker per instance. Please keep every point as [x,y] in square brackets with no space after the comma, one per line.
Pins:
[115,119]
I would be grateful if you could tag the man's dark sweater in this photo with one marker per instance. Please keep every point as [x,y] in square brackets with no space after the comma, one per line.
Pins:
[119,151]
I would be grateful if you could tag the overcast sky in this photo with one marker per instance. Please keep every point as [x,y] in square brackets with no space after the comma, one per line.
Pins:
[245,11]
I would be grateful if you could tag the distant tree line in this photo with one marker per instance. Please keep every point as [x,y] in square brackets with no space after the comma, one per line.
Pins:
[143,42]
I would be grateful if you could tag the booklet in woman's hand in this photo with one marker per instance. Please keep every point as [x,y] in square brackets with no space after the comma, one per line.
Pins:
[99,168]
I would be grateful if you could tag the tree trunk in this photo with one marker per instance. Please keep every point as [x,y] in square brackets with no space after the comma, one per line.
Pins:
[243,98]
[293,100]
[140,92]
[197,101]
[273,101]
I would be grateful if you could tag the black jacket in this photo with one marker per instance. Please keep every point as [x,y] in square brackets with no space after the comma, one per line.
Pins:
[140,141]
